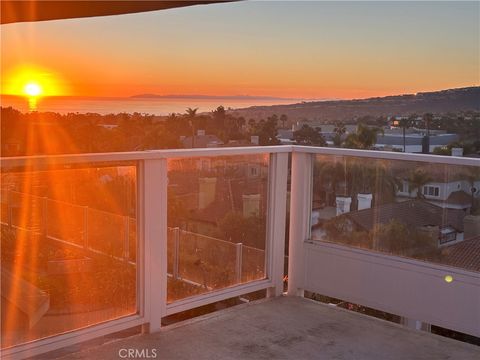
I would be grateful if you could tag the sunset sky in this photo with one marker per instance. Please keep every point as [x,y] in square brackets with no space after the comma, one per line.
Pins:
[285,49]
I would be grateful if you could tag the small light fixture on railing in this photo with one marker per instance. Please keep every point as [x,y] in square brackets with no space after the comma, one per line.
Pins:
[448,278]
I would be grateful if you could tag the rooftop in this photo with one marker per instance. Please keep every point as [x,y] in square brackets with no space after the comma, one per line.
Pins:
[305,330]
[413,213]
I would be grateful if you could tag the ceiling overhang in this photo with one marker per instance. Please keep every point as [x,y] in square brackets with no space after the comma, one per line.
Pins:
[38,10]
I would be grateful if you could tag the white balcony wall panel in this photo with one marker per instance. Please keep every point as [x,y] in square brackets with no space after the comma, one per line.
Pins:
[405,287]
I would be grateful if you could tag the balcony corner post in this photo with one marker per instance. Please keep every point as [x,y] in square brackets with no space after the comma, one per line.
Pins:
[300,209]
[276,219]
[153,213]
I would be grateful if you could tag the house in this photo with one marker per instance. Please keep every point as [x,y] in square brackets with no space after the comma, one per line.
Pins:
[448,223]
[393,139]
[201,140]
[451,190]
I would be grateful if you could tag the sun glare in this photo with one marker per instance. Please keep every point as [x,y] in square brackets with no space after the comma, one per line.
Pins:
[32,81]
[32,89]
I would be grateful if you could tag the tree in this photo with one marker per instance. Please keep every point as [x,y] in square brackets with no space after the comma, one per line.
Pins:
[441,150]
[283,119]
[427,121]
[340,229]
[158,137]
[416,180]
[191,114]
[327,175]
[398,238]
[352,176]
[267,131]
[309,136]
[219,115]
[404,123]
[251,125]
[339,131]
[364,138]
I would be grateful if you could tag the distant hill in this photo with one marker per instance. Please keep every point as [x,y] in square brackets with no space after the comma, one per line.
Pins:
[451,100]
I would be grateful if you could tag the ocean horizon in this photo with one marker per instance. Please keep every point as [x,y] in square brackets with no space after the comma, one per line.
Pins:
[159,106]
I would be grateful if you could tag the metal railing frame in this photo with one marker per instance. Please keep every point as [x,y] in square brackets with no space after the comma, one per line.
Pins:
[152,229]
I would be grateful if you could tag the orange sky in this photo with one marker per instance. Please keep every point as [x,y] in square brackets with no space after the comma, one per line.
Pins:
[302,50]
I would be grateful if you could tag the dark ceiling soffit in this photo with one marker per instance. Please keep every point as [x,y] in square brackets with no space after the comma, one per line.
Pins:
[38,10]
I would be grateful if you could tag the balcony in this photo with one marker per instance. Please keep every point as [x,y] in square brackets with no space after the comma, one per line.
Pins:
[94,244]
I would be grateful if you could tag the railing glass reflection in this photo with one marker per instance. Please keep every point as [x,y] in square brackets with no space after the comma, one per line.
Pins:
[422,210]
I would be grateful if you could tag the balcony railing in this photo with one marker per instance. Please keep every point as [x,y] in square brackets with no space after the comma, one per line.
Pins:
[97,243]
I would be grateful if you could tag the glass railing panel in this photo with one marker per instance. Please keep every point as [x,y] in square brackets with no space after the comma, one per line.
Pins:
[73,226]
[206,262]
[253,263]
[217,219]
[426,211]
[132,239]
[107,232]
[64,262]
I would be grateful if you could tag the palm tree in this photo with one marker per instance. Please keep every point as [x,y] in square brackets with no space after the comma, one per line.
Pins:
[427,121]
[404,123]
[339,130]
[191,114]
[386,183]
[327,176]
[416,180]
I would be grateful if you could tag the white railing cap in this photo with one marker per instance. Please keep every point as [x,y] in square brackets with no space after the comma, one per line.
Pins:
[66,159]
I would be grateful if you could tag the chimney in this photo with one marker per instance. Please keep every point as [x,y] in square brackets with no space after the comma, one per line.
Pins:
[255,140]
[206,195]
[364,201]
[471,226]
[343,204]
[457,152]
[251,205]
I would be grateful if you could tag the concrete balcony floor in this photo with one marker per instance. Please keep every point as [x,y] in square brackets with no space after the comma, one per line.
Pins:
[286,328]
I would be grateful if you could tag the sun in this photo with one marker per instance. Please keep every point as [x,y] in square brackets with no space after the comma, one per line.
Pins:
[32,89]
[32,81]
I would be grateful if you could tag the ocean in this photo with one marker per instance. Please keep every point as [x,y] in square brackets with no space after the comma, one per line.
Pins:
[153,106]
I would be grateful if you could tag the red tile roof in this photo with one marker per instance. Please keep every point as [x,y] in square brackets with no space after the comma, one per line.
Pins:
[413,213]
[465,255]
[460,198]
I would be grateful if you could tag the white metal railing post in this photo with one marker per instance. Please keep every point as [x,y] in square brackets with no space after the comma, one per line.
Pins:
[276,217]
[300,209]
[238,262]
[176,252]
[154,255]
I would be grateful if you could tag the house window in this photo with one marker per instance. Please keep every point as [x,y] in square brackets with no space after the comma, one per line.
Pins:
[254,171]
[431,190]
[405,188]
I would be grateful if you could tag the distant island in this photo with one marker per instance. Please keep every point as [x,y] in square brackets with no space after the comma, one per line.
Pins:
[214,97]
[444,101]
